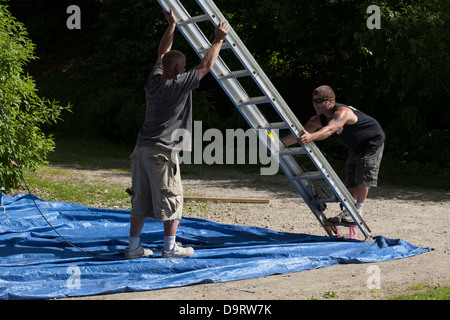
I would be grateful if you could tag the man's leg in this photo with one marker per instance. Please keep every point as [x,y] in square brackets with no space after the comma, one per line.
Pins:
[139,202]
[171,248]
[366,175]
[359,193]
[136,225]
[170,227]
[170,232]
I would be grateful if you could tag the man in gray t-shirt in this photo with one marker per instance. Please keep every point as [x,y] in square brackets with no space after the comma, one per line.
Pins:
[169,107]
[156,183]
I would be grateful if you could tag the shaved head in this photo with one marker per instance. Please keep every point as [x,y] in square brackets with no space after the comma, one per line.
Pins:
[324,92]
[172,58]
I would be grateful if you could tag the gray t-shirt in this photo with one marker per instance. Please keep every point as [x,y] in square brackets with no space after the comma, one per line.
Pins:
[169,107]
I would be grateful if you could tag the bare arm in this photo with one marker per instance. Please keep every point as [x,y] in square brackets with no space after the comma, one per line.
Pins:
[167,40]
[312,125]
[339,119]
[210,58]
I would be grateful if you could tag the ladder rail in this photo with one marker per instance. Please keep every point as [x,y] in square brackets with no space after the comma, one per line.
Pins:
[246,105]
[344,196]
[266,86]
[199,42]
[255,71]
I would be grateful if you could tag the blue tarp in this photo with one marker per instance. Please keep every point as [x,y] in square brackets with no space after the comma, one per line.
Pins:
[36,263]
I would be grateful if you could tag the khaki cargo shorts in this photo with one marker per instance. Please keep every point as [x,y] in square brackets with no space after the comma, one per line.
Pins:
[156,185]
[363,168]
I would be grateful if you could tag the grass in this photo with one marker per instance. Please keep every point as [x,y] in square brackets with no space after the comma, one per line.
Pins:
[80,172]
[91,154]
[68,177]
[422,291]
[425,292]
[50,184]
[65,179]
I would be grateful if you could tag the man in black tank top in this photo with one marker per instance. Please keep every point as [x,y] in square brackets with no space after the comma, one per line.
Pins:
[361,133]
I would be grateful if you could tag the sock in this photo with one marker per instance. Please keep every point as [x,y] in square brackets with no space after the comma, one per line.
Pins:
[359,207]
[134,242]
[169,242]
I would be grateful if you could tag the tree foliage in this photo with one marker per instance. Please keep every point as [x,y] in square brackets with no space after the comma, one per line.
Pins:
[23,111]
[399,74]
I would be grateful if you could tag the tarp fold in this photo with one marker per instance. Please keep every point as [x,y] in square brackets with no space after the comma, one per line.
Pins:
[36,263]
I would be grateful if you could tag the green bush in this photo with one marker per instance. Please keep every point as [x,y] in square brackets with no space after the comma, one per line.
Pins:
[23,111]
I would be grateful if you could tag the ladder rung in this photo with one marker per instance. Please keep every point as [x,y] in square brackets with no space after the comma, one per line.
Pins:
[237,94]
[256,100]
[203,17]
[235,74]
[325,200]
[225,45]
[274,126]
[292,151]
[309,176]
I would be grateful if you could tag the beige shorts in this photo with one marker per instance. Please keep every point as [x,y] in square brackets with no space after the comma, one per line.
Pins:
[156,185]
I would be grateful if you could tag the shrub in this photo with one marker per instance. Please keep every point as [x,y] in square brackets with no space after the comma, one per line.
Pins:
[22,110]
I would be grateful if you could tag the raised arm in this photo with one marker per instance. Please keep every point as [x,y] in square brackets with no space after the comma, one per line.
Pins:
[167,40]
[210,58]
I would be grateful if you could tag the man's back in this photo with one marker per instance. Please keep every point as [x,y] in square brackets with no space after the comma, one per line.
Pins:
[366,133]
[169,107]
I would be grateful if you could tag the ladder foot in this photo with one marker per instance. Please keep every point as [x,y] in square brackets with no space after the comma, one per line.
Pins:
[303,181]
[351,232]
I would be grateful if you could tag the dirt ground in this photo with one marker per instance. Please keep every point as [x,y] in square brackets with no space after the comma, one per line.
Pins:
[420,217]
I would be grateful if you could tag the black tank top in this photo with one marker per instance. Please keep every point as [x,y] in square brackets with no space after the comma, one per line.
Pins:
[365,134]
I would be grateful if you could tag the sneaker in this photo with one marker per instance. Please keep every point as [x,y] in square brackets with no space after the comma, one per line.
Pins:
[343,217]
[177,252]
[137,253]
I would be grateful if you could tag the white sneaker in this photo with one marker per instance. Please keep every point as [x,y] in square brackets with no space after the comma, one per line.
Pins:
[177,252]
[137,253]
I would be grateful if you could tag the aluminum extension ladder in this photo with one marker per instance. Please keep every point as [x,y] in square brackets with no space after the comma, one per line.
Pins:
[316,188]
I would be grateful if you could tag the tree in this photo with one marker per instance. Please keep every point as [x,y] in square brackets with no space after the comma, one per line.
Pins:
[408,70]
[399,73]
[23,111]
